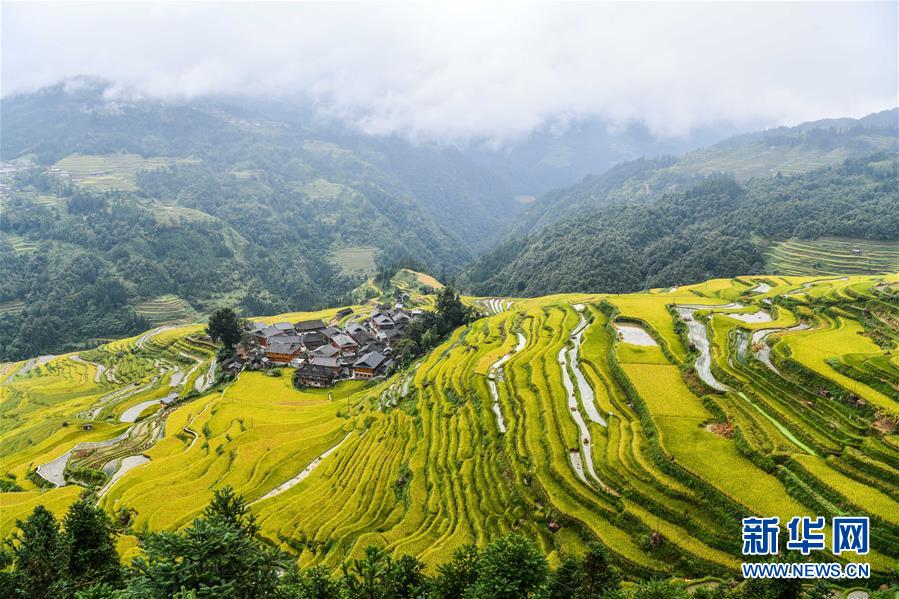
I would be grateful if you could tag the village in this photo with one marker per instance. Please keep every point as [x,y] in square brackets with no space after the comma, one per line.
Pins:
[323,354]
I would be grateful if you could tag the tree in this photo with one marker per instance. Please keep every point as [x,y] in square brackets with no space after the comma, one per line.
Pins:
[37,549]
[598,575]
[89,547]
[455,577]
[225,328]
[511,566]
[312,583]
[565,581]
[219,555]
[451,308]
[232,509]
[662,589]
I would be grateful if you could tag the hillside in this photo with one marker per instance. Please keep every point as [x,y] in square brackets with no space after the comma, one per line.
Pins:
[762,155]
[123,202]
[716,227]
[567,418]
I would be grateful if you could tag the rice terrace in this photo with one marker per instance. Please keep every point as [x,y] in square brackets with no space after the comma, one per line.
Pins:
[650,421]
[373,300]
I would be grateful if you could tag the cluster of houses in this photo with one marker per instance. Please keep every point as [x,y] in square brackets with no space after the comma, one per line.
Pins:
[323,354]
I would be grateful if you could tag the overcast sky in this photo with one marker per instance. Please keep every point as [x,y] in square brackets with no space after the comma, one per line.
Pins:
[464,71]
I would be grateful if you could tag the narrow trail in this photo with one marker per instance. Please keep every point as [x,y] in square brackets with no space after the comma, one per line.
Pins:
[496,373]
[303,473]
[584,456]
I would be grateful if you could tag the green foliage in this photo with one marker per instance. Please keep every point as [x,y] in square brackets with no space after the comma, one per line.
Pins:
[687,236]
[90,554]
[377,576]
[511,567]
[458,575]
[37,554]
[219,555]
[225,327]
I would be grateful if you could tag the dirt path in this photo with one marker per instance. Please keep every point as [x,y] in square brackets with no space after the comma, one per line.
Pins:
[303,474]
[496,373]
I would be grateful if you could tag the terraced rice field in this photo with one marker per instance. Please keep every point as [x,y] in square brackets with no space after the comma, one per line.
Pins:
[355,261]
[108,171]
[823,257]
[166,309]
[567,418]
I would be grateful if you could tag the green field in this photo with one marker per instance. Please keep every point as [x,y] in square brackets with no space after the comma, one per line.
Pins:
[166,309]
[619,442]
[108,171]
[832,257]
[355,261]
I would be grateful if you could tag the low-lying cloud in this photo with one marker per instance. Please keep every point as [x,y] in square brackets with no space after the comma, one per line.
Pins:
[478,72]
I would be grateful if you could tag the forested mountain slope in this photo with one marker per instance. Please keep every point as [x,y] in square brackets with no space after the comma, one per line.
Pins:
[111,203]
[686,236]
[762,155]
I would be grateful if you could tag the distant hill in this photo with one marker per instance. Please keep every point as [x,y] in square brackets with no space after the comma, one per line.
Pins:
[110,205]
[708,229]
[784,150]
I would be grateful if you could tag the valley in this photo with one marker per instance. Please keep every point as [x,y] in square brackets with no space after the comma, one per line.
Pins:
[650,421]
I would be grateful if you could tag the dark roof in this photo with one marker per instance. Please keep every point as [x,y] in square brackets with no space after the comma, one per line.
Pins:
[362,337]
[283,326]
[354,327]
[277,347]
[324,362]
[370,360]
[390,333]
[382,320]
[311,371]
[341,339]
[325,351]
[330,331]
[269,332]
[344,312]
[309,325]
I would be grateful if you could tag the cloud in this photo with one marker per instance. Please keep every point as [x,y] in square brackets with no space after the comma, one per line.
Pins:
[490,71]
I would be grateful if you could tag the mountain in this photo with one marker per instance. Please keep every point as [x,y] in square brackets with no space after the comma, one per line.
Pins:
[116,206]
[711,228]
[784,150]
